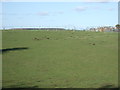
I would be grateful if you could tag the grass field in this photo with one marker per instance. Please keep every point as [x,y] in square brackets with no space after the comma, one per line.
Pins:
[59,59]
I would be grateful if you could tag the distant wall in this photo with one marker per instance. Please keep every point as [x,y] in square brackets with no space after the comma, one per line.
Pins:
[38,29]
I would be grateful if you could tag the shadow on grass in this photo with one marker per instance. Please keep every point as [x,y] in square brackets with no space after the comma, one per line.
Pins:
[108,87]
[12,49]
[36,87]
[60,88]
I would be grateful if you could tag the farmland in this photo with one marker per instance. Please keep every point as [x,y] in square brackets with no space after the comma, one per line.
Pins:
[59,59]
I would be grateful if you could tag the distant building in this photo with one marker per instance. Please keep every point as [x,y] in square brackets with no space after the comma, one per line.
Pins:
[103,29]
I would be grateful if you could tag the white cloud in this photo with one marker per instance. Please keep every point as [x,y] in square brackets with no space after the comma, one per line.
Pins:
[43,13]
[60,0]
[16,14]
[112,9]
[96,7]
[60,12]
[101,0]
[8,14]
[80,8]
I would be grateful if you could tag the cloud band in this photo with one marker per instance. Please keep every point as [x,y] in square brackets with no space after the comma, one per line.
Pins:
[60,0]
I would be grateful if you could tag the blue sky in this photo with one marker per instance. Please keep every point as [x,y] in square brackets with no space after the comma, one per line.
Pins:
[77,15]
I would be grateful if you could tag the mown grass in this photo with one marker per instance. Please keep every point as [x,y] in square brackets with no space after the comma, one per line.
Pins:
[60,59]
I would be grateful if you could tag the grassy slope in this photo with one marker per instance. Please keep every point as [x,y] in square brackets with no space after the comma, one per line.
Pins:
[67,59]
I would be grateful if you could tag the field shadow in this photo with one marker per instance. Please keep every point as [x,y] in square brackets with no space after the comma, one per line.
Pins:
[108,87]
[105,87]
[13,49]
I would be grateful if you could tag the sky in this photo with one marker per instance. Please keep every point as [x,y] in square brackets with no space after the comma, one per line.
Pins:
[70,15]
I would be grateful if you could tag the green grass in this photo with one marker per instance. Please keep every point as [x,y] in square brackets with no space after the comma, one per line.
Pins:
[66,60]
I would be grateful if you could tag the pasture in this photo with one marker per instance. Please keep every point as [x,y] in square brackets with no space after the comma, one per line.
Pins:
[59,59]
